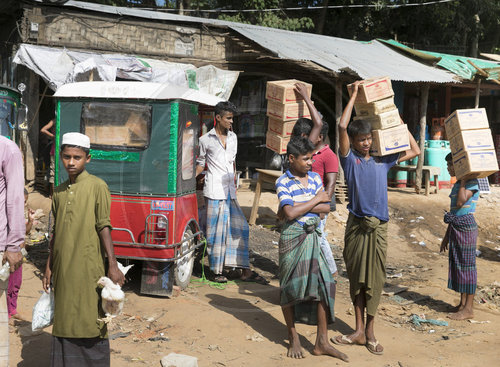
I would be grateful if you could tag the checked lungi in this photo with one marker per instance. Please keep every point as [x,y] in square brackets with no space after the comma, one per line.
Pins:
[462,274]
[227,235]
[305,278]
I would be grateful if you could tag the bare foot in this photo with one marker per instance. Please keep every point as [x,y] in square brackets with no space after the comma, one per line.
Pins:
[463,314]
[322,347]
[457,308]
[19,317]
[295,349]
[352,339]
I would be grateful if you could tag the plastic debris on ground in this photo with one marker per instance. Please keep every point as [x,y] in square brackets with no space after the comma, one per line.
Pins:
[417,321]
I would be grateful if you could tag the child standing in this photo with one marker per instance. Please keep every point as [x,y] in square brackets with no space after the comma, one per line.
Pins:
[16,278]
[82,235]
[461,237]
[306,285]
[365,241]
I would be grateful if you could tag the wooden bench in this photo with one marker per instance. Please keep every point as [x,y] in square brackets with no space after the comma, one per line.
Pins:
[427,171]
[265,176]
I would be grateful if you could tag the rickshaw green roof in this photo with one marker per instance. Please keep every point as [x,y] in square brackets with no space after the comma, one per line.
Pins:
[134,90]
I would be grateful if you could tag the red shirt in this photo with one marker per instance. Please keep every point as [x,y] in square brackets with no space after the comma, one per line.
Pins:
[325,161]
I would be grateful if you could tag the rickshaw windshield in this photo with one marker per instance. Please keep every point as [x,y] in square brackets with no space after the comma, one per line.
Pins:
[117,126]
[7,116]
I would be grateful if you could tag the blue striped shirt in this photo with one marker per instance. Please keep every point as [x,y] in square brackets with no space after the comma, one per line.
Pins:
[291,191]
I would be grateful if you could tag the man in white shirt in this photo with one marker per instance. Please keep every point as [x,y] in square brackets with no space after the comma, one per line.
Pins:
[227,228]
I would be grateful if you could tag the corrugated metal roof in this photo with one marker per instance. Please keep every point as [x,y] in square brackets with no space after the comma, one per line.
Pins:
[458,65]
[365,59]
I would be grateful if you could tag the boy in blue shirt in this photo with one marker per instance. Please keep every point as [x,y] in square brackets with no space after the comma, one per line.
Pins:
[461,236]
[307,288]
[365,241]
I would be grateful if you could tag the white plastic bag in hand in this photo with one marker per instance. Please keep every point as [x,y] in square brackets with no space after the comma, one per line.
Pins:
[43,312]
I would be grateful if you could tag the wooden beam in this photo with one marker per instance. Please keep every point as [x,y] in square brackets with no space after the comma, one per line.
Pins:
[424,96]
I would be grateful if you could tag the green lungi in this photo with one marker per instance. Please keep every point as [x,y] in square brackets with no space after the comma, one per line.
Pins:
[365,254]
[305,278]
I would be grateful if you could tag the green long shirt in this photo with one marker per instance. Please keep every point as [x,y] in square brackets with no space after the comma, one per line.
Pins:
[81,210]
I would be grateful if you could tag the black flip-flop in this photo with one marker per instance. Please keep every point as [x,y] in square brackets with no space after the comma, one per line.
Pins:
[256,278]
[220,279]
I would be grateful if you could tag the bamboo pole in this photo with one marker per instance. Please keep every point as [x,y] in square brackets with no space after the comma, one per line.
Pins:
[424,96]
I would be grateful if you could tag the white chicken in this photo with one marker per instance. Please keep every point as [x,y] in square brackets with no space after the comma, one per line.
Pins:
[112,296]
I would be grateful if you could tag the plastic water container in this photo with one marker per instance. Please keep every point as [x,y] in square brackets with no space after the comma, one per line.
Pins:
[435,155]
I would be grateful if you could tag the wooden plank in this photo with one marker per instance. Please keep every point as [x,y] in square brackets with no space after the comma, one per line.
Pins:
[424,96]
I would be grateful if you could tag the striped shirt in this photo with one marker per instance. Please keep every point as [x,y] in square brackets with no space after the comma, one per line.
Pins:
[470,206]
[291,191]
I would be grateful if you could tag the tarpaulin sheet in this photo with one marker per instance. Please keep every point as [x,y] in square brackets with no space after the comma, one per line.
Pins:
[60,66]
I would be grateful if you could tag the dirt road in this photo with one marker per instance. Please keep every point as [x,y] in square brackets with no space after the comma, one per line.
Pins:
[242,325]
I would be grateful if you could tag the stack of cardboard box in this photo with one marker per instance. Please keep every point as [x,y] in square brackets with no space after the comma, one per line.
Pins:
[284,107]
[471,143]
[375,104]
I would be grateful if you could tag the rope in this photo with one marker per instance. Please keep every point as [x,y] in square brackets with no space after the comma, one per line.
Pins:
[204,281]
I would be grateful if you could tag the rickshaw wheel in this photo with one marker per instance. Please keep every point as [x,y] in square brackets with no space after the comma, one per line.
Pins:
[184,265]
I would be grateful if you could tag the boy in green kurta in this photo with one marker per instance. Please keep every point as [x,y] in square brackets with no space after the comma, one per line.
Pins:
[82,236]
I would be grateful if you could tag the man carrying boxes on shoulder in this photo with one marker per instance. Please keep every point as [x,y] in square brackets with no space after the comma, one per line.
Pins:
[366,231]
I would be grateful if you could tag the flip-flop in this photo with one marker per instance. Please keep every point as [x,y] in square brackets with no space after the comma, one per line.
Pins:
[344,340]
[220,279]
[372,347]
[256,278]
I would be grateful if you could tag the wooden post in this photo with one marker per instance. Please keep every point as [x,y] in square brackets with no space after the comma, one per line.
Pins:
[447,105]
[338,114]
[478,93]
[424,96]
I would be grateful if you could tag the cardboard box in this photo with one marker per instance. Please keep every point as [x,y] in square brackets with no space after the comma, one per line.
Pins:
[479,163]
[276,143]
[382,121]
[390,141]
[282,91]
[375,108]
[470,119]
[371,90]
[287,112]
[471,140]
[282,128]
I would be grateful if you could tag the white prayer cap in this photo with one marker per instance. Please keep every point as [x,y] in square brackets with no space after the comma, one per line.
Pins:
[77,139]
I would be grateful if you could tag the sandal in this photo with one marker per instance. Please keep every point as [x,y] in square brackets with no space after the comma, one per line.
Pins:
[342,340]
[254,277]
[220,278]
[372,347]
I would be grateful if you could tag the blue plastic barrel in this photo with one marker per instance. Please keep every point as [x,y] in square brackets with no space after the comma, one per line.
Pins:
[435,154]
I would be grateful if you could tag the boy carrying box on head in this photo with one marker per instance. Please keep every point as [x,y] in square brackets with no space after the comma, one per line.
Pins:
[306,284]
[461,236]
[82,236]
[365,238]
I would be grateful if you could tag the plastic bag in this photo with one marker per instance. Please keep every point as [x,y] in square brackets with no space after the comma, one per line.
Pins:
[43,312]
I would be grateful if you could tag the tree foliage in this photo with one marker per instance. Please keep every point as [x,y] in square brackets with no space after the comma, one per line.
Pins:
[459,27]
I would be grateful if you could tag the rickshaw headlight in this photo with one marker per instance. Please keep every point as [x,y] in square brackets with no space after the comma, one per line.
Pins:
[161,223]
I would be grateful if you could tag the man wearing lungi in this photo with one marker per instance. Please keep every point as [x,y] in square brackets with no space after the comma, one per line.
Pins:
[307,287]
[461,237]
[227,228]
[365,240]
[82,234]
